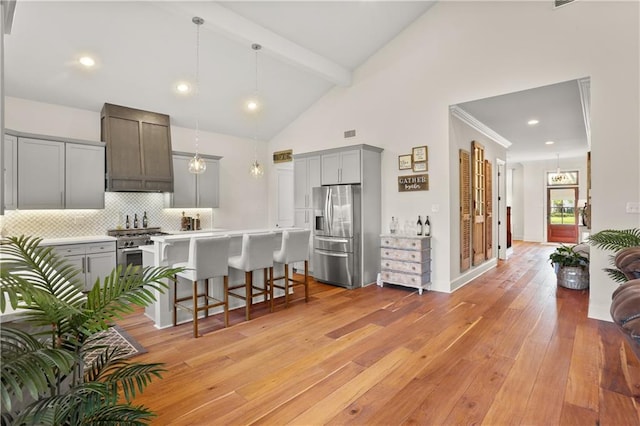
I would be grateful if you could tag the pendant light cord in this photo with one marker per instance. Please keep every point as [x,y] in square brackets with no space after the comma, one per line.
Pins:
[198,21]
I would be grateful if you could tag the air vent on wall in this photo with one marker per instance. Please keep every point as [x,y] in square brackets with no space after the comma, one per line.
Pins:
[558,3]
[349,133]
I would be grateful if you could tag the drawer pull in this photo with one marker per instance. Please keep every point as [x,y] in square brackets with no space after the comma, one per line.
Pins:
[413,268]
[386,253]
[386,264]
[386,242]
[413,256]
[413,244]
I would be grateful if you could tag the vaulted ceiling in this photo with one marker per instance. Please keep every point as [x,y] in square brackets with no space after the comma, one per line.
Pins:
[143,49]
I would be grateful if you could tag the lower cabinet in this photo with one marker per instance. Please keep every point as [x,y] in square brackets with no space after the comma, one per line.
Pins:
[94,260]
[406,260]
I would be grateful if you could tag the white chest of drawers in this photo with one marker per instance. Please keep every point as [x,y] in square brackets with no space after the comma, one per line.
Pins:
[406,260]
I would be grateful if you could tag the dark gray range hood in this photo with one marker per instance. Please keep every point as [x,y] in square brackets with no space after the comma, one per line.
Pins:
[138,150]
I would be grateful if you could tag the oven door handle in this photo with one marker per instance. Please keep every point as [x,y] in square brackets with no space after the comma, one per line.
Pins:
[129,249]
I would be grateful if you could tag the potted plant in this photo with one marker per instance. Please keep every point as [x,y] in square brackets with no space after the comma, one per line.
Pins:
[44,376]
[615,240]
[571,267]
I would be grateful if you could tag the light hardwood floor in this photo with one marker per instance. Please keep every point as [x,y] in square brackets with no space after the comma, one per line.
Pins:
[509,348]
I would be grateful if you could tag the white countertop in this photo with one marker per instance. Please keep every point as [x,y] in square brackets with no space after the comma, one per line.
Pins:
[77,240]
[182,236]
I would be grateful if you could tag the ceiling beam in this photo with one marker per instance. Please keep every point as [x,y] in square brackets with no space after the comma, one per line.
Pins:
[233,26]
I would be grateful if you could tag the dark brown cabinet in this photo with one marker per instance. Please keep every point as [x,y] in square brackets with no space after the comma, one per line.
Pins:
[138,149]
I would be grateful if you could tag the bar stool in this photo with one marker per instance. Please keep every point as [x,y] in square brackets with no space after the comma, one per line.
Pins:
[295,248]
[208,258]
[257,253]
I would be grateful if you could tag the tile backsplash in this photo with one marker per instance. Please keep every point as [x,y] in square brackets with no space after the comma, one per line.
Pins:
[75,223]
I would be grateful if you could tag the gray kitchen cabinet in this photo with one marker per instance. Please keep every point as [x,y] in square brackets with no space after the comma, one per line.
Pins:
[306,175]
[191,190]
[93,260]
[354,164]
[84,176]
[40,174]
[138,149]
[56,173]
[341,167]
[10,171]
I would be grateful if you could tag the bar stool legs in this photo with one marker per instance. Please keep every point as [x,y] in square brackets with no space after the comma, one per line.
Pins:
[208,258]
[195,308]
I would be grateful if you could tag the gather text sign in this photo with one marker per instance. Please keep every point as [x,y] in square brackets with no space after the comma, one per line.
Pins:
[413,183]
[283,156]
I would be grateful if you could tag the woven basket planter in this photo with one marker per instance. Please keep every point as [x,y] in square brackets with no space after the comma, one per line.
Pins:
[573,277]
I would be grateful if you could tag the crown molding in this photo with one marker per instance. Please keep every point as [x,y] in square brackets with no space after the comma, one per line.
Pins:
[476,124]
[584,86]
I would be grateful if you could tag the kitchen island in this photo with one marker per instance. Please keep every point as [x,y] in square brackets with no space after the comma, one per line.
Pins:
[171,249]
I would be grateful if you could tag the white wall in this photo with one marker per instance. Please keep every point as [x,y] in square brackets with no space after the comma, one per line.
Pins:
[243,199]
[462,51]
[517,201]
[460,137]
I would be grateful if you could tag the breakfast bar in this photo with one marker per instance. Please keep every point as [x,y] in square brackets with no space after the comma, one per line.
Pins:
[168,250]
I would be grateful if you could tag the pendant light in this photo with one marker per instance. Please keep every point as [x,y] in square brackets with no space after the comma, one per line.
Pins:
[255,170]
[197,164]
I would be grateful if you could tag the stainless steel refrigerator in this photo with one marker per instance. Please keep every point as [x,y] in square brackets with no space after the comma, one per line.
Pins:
[337,233]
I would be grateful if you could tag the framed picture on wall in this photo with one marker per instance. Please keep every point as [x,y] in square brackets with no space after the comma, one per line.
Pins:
[404,162]
[420,153]
[420,166]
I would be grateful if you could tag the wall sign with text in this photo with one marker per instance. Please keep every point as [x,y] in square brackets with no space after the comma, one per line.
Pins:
[413,183]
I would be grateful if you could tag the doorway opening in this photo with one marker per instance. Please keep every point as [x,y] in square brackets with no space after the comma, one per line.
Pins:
[562,215]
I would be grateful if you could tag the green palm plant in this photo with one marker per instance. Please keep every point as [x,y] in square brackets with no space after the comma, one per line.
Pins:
[615,240]
[44,376]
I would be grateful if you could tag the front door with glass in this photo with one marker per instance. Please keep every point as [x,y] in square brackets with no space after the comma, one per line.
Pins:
[562,215]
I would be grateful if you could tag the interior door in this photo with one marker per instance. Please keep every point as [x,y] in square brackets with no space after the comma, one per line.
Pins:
[285,197]
[562,215]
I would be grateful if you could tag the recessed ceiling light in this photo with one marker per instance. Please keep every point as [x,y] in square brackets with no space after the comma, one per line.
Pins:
[549,142]
[87,61]
[252,105]
[183,87]
[532,122]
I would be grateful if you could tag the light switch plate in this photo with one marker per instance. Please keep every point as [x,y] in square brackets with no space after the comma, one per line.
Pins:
[633,207]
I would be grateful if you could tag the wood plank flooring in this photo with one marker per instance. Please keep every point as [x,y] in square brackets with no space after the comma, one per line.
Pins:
[509,348]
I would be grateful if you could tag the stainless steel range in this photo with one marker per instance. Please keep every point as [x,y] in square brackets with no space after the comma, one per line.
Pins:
[128,244]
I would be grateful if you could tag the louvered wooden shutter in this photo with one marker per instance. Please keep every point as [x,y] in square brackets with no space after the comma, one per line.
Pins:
[478,192]
[465,210]
[488,179]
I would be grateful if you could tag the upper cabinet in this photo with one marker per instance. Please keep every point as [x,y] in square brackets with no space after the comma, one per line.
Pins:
[306,175]
[191,190]
[84,176]
[40,174]
[341,167]
[44,172]
[10,171]
[138,149]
